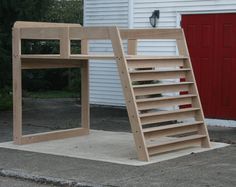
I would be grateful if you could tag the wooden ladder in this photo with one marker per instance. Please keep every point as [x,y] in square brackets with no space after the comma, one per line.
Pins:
[165,113]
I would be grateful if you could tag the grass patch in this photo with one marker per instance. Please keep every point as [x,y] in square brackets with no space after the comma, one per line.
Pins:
[6,101]
[51,94]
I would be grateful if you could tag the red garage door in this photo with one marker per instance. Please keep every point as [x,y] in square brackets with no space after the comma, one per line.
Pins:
[211,41]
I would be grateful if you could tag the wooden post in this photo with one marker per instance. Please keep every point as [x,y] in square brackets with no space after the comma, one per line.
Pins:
[85,109]
[132,47]
[17,86]
[64,43]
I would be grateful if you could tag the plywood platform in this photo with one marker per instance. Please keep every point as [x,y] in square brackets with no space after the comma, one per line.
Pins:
[107,146]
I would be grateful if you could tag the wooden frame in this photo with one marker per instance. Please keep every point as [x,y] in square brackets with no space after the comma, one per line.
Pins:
[30,30]
[143,71]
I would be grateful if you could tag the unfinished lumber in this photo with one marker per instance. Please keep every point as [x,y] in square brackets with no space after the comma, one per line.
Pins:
[165,113]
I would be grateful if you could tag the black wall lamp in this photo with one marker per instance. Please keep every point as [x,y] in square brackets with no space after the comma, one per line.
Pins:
[154,17]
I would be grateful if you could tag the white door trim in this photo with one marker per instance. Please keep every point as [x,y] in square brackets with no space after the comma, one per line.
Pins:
[180,13]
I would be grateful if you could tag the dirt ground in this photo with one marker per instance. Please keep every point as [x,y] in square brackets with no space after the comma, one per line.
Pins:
[41,115]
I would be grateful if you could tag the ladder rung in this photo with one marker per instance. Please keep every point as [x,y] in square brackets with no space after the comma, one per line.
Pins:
[174,144]
[163,116]
[148,89]
[164,98]
[172,126]
[143,57]
[152,62]
[157,102]
[170,130]
[167,112]
[144,75]
[159,71]
[160,84]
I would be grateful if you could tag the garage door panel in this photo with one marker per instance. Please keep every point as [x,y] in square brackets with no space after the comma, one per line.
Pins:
[228,35]
[226,56]
[226,82]
[203,83]
[207,37]
[192,33]
[211,40]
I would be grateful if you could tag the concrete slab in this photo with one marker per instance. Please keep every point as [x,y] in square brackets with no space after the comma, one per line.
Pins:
[220,122]
[106,146]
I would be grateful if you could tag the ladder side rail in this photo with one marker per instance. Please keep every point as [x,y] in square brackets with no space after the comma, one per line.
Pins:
[183,50]
[128,94]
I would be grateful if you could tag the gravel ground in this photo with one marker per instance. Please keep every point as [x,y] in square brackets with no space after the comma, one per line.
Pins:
[212,168]
[11,182]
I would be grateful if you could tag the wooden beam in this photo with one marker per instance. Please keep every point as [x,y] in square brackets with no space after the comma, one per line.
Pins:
[41,33]
[54,135]
[50,63]
[101,33]
[72,56]
[29,24]
[93,56]
[151,33]
[89,33]
[40,30]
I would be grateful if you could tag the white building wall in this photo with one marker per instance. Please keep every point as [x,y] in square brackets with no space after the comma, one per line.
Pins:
[105,85]
[170,11]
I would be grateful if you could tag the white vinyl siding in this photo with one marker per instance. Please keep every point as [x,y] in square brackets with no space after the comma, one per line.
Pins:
[105,87]
[169,11]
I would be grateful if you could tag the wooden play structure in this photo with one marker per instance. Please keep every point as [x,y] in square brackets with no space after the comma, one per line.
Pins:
[164,115]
